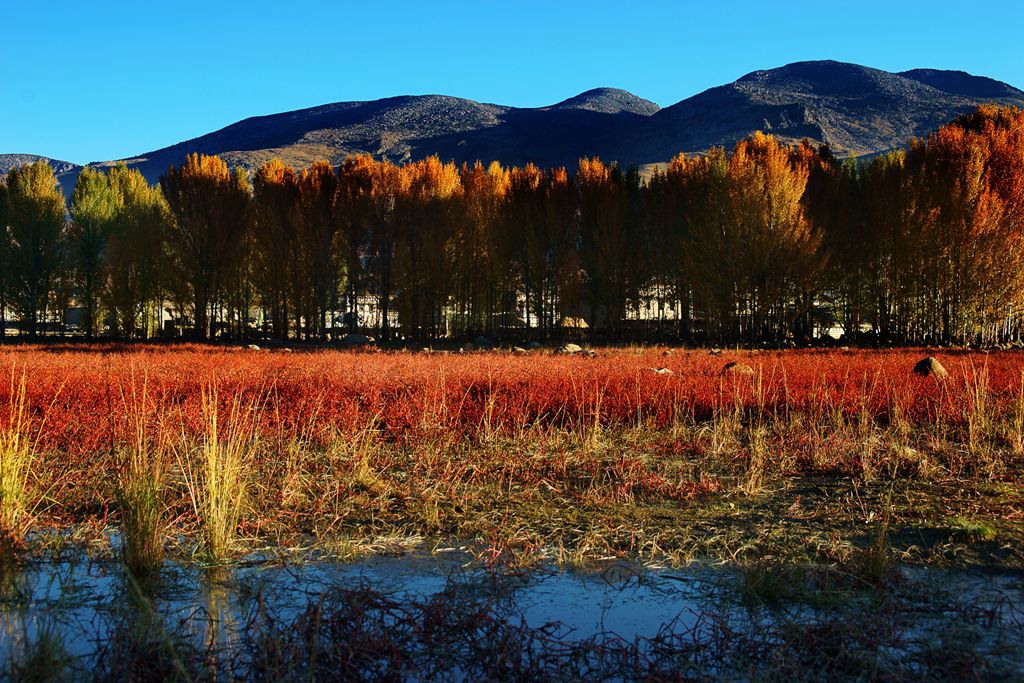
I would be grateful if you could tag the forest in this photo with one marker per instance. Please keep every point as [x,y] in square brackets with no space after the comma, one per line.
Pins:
[766,242]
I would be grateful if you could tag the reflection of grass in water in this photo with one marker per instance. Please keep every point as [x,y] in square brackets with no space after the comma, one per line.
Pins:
[820,621]
[143,645]
[222,621]
[15,598]
[42,658]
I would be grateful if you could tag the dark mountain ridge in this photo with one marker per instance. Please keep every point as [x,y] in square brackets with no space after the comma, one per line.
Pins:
[856,110]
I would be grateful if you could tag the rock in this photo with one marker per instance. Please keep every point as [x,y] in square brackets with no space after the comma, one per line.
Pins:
[353,339]
[736,368]
[518,349]
[590,353]
[483,343]
[253,347]
[666,353]
[930,367]
[534,345]
[662,371]
[286,350]
[573,323]
[715,352]
[570,348]
[468,346]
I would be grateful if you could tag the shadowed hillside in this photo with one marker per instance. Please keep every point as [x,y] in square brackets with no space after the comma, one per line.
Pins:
[856,110]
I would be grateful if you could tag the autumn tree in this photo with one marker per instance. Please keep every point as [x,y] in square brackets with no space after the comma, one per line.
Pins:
[676,201]
[528,241]
[211,206]
[389,186]
[134,251]
[93,205]
[423,244]
[603,241]
[318,225]
[563,231]
[776,243]
[275,239]
[966,178]
[354,215]
[484,282]
[35,230]
[705,240]
[6,253]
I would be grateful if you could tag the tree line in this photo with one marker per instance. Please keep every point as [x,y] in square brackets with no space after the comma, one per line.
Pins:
[763,242]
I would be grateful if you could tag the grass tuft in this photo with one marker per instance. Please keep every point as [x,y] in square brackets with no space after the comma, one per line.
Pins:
[140,486]
[16,458]
[215,472]
[972,529]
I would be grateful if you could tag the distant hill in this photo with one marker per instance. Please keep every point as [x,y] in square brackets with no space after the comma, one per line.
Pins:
[66,171]
[855,109]
[400,129]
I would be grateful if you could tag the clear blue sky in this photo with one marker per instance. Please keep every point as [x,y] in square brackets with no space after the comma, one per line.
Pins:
[103,79]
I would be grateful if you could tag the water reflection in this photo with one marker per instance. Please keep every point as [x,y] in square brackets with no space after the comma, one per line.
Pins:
[220,620]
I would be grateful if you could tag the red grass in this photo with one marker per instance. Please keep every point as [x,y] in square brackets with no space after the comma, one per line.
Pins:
[81,390]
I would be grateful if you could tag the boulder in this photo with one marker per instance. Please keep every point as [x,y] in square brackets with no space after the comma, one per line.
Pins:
[573,323]
[589,353]
[930,367]
[662,371]
[518,349]
[253,347]
[736,368]
[353,339]
[570,348]
[534,345]
[468,346]
[483,343]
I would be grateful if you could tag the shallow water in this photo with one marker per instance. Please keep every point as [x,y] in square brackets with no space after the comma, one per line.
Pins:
[77,597]
[84,602]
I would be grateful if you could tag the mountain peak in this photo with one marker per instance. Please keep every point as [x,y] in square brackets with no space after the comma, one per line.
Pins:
[609,101]
[826,78]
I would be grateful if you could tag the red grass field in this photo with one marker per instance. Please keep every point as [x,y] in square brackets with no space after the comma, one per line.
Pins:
[79,396]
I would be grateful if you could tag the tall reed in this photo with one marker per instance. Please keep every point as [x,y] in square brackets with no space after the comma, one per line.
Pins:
[141,482]
[215,471]
[979,418]
[1017,418]
[16,457]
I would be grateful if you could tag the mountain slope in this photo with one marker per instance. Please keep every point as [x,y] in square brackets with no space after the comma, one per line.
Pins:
[411,127]
[66,171]
[963,83]
[855,109]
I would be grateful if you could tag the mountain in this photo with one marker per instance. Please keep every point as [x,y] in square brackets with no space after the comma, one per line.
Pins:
[66,171]
[412,127]
[855,109]
[963,83]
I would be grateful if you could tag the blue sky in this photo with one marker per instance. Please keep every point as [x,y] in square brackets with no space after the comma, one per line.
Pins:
[95,80]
